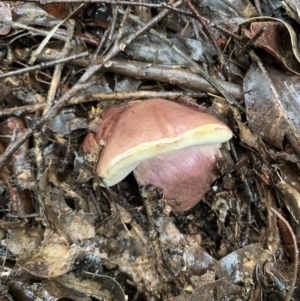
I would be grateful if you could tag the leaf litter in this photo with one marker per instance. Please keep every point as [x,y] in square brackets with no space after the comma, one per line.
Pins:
[64,235]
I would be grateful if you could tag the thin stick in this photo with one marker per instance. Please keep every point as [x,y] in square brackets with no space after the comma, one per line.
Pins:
[44,65]
[92,97]
[120,2]
[58,68]
[16,25]
[177,75]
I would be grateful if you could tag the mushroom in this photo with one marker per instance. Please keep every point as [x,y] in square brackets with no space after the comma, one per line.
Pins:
[164,143]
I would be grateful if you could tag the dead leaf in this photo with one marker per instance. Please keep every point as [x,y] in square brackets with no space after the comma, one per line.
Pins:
[272,104]
[23,240]
[292,9]
[52,259]
[239,265]
[275,40]
[5,14]
[30,14]
[290,197]
[279,39]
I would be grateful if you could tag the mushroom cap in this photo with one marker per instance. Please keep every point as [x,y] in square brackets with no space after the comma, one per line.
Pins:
[143,130]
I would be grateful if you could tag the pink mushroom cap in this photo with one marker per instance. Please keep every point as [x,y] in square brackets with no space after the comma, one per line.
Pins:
[169,145]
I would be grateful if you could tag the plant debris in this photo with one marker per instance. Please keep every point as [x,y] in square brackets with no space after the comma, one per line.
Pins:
[65,235]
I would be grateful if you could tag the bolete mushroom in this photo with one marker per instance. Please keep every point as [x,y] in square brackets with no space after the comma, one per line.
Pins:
[164,143]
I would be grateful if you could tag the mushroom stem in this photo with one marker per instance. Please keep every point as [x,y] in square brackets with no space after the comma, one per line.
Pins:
[184,175]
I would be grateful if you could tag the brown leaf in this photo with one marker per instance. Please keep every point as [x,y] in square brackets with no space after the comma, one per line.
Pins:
[291,198]
[279,39]
[57,10]
[272,104]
